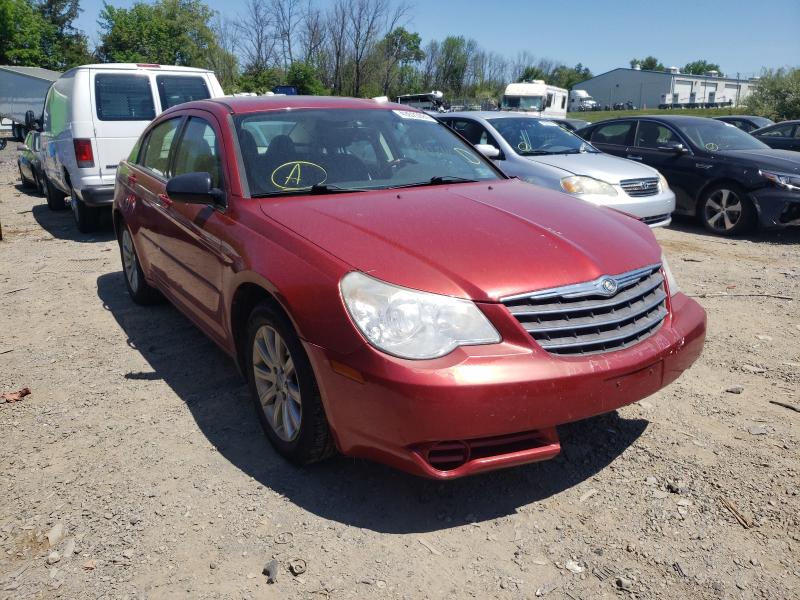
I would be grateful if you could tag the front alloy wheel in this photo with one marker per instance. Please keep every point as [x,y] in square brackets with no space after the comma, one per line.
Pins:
[727,211]
[276,383]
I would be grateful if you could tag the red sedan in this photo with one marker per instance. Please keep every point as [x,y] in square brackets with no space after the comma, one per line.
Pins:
[386,291]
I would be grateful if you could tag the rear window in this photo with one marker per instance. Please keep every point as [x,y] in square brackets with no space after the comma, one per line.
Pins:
[123,97]
[174,90]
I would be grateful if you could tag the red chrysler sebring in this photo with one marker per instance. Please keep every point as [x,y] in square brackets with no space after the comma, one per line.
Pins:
[386,291]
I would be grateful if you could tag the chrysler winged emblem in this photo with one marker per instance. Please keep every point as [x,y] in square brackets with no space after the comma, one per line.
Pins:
[609,286]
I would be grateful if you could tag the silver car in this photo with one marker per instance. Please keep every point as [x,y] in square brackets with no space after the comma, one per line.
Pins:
[537,150]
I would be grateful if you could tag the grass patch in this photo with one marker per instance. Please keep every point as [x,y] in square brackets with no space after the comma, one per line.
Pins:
[601,115]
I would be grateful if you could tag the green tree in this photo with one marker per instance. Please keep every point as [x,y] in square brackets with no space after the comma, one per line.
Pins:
[398,49]
[173,32]
[22,31]
[699,67]
[568,77]
[649,63]
[532,73]
[451,67]
[258,79]
[305,78]
[777,95]
[63,45]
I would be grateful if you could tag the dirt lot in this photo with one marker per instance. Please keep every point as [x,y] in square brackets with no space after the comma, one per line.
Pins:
[139,454]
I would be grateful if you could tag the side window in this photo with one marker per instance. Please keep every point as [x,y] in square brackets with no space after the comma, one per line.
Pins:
[613,133]
[176,89]
[654,135]
[123,97]
[155,154]
[779,131]
[797,131]
[563,101]
[198,151]
[474,132]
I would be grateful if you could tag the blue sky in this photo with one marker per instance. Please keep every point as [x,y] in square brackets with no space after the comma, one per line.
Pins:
[739,35]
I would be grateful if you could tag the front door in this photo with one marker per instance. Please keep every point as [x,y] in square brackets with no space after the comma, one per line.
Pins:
[614,137]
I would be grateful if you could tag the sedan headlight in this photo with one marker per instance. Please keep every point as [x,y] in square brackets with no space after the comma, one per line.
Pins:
[787,181]
[582,185]
[663,186]
[412,324]
[672,284]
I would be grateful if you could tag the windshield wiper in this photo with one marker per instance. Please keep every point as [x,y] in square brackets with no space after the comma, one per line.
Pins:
[436,180]
[319,188]
[536,152]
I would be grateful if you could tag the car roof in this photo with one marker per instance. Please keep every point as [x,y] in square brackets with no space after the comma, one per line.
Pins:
[251,104]
[673,119]
[724,117]
[494,114]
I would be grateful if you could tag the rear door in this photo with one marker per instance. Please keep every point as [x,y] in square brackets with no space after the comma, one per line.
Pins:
[122,106]
[780,136]
[614,138]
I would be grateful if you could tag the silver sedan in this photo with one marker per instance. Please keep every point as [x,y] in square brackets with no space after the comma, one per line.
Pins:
[539,151]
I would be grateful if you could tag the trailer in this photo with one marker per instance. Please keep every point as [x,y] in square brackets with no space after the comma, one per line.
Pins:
[23,89]
[535,96]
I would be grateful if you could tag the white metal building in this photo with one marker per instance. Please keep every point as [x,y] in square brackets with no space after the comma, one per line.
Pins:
[651,89]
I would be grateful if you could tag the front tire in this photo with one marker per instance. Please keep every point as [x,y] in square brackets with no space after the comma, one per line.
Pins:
[726,210]
[284,389]
[140,291]
[25,182]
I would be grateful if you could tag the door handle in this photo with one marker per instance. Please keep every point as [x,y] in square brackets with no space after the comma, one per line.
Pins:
[634,157]
[165,199]
[131,180]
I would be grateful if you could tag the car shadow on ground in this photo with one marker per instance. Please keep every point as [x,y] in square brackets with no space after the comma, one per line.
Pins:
[61,224]
[350,491]
[686,224]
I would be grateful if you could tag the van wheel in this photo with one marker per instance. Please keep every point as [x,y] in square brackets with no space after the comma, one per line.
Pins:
[87,218]
[140,291]
[284,389]
[23,180]
[55,198]
[726,210]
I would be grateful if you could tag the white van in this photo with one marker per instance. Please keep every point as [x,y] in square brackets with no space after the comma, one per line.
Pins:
[93,116]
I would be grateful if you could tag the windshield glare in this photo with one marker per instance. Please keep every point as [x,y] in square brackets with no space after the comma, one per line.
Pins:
[523,102]
[292,151]
[717,135]
[530,137]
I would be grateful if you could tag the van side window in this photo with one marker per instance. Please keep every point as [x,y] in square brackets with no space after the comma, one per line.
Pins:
[155,154]
[123,97]
[198,151]
[176,89]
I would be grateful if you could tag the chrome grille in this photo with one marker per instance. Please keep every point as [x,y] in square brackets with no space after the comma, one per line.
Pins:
[609,313]
[638,188]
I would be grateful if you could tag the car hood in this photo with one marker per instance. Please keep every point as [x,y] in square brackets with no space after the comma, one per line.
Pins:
[598,165]
[475,241]
[787,161]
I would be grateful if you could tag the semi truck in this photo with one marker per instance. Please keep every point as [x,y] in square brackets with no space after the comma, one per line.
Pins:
[22,94]
[535,96]
[580,101]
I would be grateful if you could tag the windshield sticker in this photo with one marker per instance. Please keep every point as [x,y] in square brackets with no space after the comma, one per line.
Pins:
[712,147]
[417,116]
[524,147]
[468,156]
[298,175]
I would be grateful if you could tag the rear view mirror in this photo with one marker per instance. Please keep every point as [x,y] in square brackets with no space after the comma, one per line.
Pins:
[488,150]
[194,188]
[675,147]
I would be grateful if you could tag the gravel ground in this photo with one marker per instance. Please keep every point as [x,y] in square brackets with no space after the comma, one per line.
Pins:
[136,468]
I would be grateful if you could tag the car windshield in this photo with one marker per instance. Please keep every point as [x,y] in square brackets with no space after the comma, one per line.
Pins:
[718,135]
[523,102]
[533,137]
[335,150]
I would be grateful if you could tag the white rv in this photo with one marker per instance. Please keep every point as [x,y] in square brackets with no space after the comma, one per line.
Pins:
[93,116]
[537,97]
[580,100]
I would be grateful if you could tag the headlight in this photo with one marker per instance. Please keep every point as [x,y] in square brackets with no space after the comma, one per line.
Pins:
[412,324]
[582,185]
[662,183]
[785,180]
[672,284]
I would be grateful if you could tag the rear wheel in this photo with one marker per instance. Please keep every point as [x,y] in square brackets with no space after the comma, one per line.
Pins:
[87,218]
[140,291]
[726,210]
[55,198]
[284,389]
[23,180]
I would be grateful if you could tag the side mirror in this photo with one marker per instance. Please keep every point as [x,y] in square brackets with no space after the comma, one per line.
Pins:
[488,150]
[22,148]
[31,122]
[674,147]
[194,188]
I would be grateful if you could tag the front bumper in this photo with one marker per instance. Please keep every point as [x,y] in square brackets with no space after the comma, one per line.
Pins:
[486,407]
[654,210]
[777,207]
